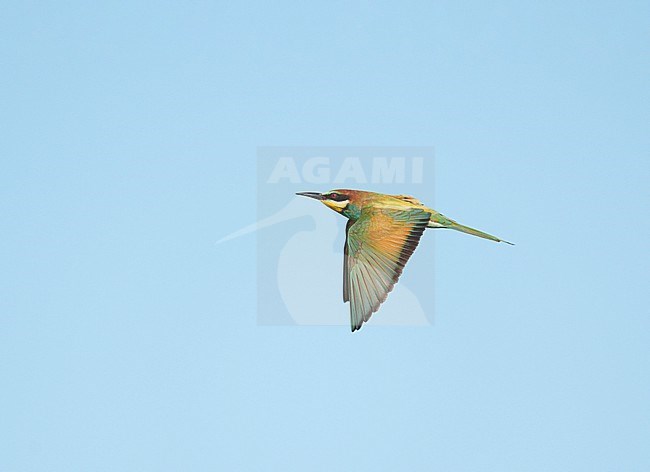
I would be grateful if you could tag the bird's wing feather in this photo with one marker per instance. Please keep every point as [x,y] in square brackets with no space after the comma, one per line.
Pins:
[346,284]
[409,199]
[378,245]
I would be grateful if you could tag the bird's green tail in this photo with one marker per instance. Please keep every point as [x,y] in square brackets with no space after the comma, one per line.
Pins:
[475,232]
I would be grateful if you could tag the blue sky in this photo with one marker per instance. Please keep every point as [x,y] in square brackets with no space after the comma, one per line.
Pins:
[129,340]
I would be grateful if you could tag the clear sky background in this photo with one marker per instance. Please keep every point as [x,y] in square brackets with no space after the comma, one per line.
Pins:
[129,340]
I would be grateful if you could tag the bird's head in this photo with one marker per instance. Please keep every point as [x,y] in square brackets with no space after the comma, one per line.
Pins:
[337,200]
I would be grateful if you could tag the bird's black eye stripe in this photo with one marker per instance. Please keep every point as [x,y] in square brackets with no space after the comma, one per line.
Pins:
[337,197]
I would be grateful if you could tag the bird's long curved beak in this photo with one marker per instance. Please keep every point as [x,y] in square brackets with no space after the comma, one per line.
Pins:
[315,195]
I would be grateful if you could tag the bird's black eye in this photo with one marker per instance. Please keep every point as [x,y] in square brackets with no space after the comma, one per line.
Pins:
[337,197]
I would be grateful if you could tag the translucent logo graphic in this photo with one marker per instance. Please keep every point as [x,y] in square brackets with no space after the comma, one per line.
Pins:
[300,241]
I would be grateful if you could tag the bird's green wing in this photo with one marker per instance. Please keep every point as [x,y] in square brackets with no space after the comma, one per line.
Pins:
[377,247]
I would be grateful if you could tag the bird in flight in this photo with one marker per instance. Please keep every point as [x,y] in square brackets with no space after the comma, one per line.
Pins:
[381,234]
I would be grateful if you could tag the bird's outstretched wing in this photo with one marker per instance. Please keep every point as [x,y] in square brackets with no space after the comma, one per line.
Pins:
[377,246]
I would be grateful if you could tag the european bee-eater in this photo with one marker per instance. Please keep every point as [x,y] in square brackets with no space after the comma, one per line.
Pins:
[381,234]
